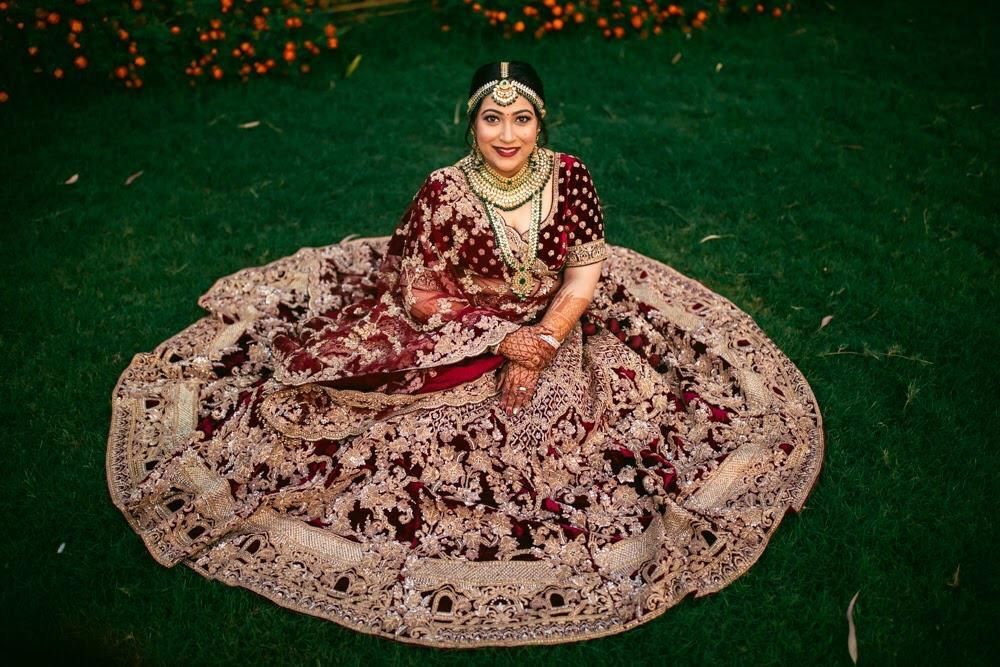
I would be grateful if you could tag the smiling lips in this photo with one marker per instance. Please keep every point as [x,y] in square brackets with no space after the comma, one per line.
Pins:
[506,152]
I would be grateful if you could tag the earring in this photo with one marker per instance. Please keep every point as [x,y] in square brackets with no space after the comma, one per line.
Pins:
[477,155]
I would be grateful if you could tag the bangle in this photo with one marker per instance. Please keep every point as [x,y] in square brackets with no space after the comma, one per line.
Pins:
[550,339]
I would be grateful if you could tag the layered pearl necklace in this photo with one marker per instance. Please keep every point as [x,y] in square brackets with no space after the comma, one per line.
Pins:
[507,194]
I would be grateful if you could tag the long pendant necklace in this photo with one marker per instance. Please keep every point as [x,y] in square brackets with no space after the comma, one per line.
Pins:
[522,283]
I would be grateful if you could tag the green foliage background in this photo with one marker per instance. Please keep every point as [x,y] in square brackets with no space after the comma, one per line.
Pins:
[848,157]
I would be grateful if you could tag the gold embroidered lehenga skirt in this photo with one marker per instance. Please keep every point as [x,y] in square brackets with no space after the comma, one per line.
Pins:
[657,457]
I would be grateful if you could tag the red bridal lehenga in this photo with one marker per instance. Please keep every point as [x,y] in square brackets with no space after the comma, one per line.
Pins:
[330,435]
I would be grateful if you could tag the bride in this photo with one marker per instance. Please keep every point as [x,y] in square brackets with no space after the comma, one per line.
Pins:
[491,428]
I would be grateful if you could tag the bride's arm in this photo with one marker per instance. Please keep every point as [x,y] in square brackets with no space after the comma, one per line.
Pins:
[572,299]
[530,349]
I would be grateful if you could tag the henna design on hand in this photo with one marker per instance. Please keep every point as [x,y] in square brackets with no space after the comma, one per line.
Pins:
[517,386]
[563,314]
[526,348]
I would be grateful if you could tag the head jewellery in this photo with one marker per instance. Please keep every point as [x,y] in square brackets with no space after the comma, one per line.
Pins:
[504,91]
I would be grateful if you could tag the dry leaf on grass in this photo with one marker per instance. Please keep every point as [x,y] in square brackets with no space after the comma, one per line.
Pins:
[852,636]
[676,59]
[954,578]
[249,126]
[72,179]
[131,179]
[712,237]
[826,320]
[353,66]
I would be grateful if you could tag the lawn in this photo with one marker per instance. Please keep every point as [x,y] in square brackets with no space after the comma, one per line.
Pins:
[846,157]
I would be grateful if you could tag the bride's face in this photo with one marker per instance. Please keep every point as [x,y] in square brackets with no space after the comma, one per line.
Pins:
[506,135]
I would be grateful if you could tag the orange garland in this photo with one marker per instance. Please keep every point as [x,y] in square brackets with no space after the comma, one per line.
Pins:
[240,34]
[615,19]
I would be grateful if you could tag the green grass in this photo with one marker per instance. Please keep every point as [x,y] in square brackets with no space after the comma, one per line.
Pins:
[848,158]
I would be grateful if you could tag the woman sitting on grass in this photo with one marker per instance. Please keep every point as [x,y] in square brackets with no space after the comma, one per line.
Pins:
[492,428]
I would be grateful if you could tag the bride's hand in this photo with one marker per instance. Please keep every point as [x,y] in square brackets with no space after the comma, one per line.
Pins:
[525,347]
[517,386]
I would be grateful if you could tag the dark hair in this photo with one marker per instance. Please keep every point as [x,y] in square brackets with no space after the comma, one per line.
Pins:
[518,71]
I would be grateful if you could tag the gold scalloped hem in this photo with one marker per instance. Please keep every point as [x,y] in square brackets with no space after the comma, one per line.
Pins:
[711,532]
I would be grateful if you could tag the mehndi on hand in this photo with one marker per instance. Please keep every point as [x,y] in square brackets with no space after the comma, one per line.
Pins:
[563,314]
[527,347]
[517,386]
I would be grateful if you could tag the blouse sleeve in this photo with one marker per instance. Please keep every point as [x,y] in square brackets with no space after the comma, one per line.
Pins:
[586,235]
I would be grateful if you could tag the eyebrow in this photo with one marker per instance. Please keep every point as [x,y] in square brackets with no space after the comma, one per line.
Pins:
[512,113]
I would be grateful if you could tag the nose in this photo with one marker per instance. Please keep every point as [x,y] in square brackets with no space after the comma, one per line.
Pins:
[507,133]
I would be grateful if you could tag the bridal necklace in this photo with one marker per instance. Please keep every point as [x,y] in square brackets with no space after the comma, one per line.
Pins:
[508,193]
[500,192]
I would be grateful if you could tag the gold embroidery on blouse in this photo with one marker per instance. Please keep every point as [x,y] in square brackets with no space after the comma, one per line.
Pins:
[586,253]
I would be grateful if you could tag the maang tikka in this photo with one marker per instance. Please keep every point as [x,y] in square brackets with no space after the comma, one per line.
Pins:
[504,91]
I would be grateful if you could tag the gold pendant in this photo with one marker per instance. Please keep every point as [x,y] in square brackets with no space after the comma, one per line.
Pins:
[522,283]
